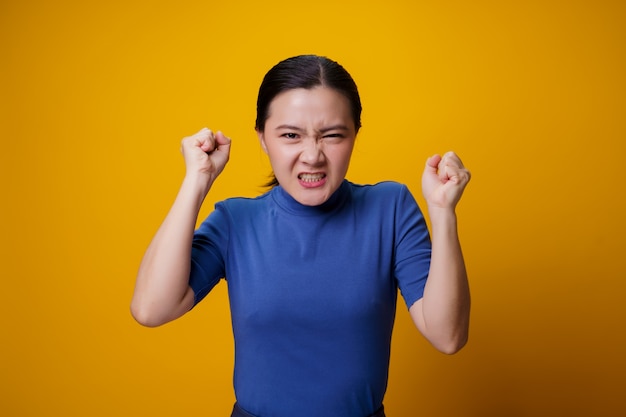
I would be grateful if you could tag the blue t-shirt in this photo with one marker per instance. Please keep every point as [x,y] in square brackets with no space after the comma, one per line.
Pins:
[313,293]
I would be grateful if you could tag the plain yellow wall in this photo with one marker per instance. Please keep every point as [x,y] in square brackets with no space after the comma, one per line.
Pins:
[95,98]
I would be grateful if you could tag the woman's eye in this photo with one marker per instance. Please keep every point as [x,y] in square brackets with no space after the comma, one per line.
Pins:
[334,136]
[290,135]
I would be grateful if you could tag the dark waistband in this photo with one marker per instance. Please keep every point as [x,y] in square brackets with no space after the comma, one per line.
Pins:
[240,412]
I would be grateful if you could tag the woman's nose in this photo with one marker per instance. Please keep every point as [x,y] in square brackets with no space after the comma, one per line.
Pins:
[312,152]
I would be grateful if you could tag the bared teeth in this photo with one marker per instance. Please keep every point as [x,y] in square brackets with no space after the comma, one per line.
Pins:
[311,177]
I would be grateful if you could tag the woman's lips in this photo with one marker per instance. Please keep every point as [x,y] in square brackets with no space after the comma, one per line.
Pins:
[312,180]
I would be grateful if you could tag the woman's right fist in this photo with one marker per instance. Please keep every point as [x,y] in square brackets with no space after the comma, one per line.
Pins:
[206,153]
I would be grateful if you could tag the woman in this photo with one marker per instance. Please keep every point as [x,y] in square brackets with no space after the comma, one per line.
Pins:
[314,265]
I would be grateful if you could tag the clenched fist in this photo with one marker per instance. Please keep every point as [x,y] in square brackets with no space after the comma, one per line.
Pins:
[206,154]
[444,180]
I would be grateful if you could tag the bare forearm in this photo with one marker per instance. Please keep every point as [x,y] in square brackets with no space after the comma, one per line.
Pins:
[162,291]
[445,306]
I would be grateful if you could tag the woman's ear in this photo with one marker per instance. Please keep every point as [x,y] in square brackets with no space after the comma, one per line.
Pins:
[262,140]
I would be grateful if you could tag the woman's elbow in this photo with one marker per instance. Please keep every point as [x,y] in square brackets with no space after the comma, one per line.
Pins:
[151,313]
[451,345]
[145,316]
[154,313]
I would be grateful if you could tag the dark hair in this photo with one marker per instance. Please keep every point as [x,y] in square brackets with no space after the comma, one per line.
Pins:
[306,71]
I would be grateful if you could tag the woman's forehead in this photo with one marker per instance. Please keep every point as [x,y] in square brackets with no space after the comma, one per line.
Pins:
[316,103]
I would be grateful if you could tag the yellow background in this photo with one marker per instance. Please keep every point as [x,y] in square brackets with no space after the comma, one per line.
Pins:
[95,98]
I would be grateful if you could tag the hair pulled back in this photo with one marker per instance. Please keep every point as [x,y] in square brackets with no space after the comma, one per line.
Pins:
[306,71]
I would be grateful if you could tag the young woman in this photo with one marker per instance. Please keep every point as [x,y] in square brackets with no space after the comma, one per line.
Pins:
[314,265]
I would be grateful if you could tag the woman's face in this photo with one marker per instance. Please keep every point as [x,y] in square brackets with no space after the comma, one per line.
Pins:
[309,136]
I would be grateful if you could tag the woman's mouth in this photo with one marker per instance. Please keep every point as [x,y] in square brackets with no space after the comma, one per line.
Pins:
[309,180]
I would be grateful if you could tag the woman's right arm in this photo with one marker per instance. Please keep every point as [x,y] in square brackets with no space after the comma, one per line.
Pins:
[162,291]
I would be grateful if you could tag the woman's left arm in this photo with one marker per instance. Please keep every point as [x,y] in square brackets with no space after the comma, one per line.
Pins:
[442,314]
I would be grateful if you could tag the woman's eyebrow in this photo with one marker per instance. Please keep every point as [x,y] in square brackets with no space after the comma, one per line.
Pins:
[333,127]
[321,130]
[290,127]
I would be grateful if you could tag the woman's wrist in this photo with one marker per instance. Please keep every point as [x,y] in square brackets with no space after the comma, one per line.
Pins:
[441,214]
[195,187]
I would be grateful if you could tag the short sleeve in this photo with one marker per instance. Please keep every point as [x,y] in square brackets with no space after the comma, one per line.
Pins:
[208,252]
[413,248]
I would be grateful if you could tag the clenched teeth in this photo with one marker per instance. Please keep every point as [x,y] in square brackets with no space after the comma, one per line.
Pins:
[311,177]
